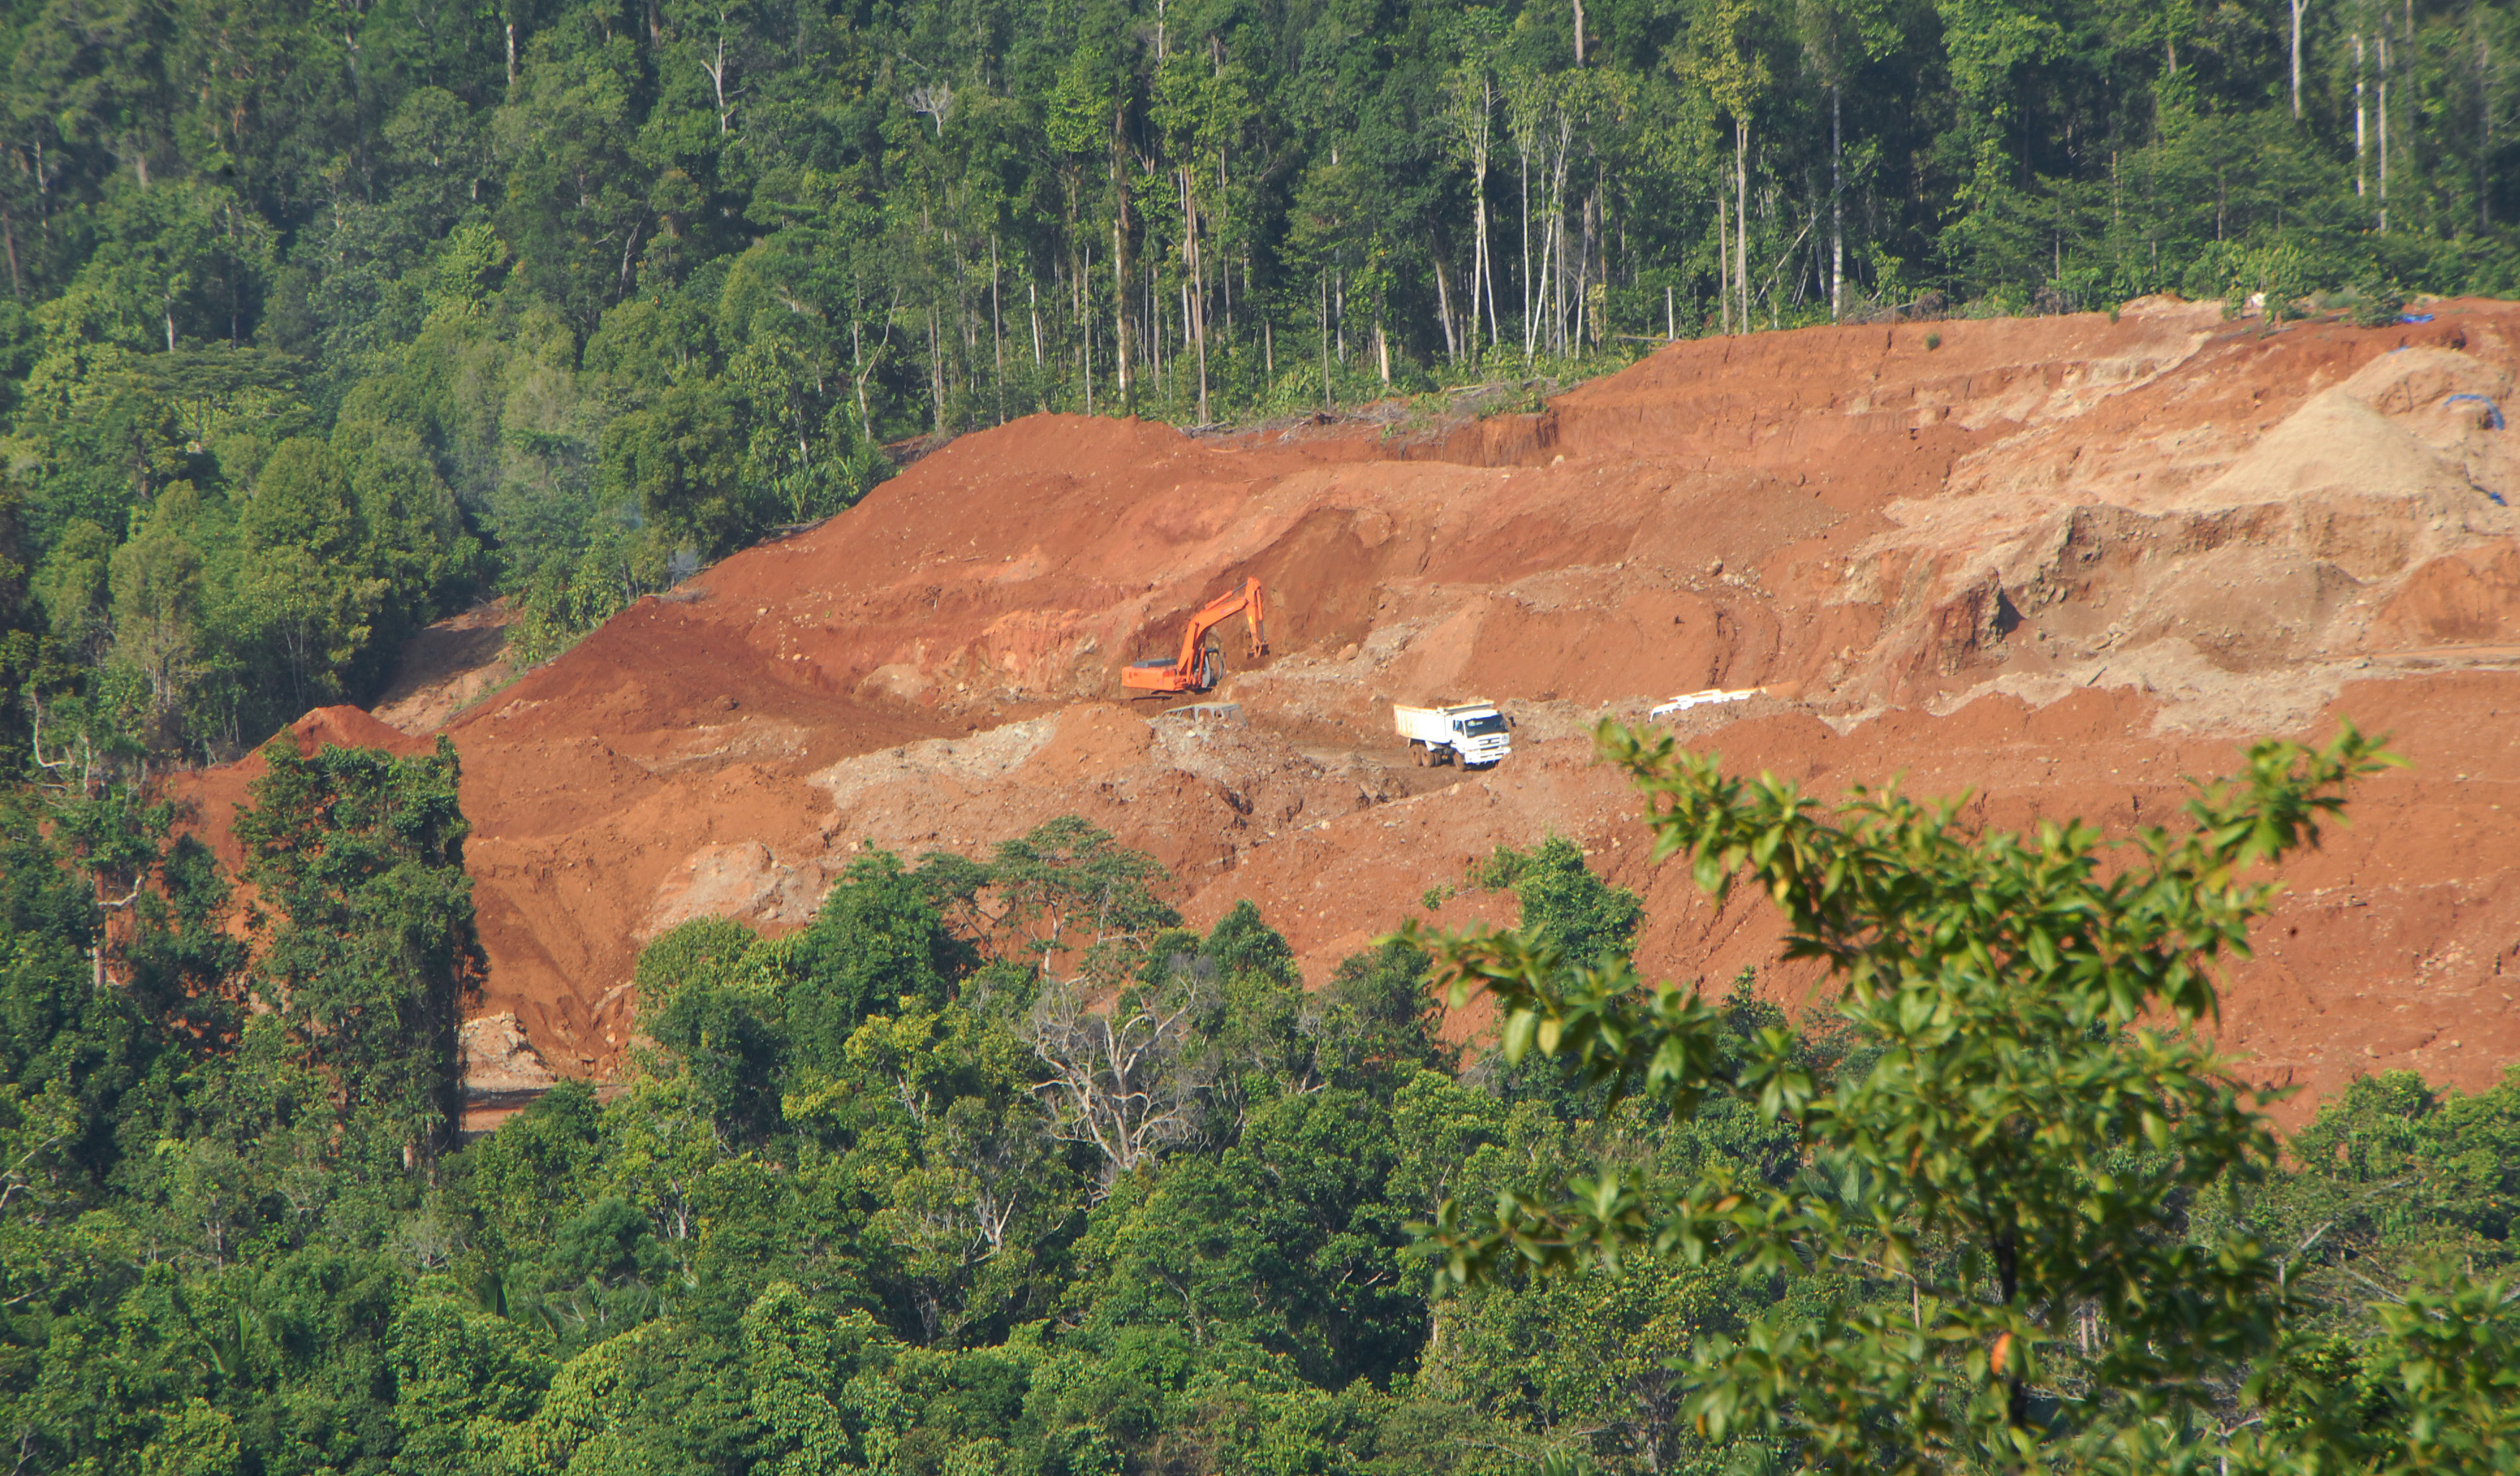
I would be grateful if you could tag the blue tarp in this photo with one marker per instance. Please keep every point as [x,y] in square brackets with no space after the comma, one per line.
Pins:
[2490,409]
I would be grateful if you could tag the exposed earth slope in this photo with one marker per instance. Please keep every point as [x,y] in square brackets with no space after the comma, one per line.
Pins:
[2058,561]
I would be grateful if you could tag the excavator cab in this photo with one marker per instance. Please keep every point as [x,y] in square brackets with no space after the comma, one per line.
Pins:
[1158,674]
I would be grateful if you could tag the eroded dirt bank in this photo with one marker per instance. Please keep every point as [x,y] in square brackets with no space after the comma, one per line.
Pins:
[2059,561]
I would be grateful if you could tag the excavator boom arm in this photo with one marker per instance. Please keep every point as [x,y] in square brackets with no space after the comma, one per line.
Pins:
[1191,671]
[1247,601]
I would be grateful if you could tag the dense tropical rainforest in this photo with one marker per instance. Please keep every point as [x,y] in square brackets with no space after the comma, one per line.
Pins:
[995,1170]
[322,321]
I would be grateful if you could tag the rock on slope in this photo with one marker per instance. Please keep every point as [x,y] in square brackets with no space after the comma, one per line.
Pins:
[2059,561]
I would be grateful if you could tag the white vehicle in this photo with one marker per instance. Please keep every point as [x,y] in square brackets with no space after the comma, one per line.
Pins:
[1470,734]
[1707,698]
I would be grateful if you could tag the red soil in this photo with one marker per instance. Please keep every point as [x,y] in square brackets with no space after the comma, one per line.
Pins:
[2059,562]
[216,794]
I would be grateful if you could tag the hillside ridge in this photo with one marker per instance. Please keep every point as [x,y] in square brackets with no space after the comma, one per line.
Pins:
[2055,562]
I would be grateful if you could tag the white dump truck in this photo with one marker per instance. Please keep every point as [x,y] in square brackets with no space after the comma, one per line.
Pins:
[1474,735]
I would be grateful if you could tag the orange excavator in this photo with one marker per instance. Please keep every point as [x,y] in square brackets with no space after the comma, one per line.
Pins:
[1200,662]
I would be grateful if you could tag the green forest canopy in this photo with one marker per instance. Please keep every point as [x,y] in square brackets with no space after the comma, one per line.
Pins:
[883,1197]
[322,321]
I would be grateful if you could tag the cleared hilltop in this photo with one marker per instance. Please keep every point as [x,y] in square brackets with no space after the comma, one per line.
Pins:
[2060,563]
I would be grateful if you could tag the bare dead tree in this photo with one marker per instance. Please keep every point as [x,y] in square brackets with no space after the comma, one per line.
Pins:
[931,101]
[987,1166]
[1120,1079]
[74,772]
[714,68]
[82,771]
[996,1157]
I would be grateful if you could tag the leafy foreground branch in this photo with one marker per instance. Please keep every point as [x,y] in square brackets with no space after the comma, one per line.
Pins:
[995,1170]
[1993,1250]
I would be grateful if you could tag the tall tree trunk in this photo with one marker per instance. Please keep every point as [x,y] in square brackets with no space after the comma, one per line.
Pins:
[1836,210]
[1566,328]
[1742,214]
[1128,384]
[1196,324]
[1582,325]
[857,372]
[1444,310]
[2297,6]
[1540,305]
[2484,136]
[1579,32]
[1326,400]
[1552,294]
[2383,121]
[1723,263]
[1556,244]
[997,331]
[1488,273]
[1120,316]
[2362,123]
[1524,155]
[936,369]
[1482,267]
[1601,227]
